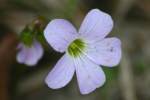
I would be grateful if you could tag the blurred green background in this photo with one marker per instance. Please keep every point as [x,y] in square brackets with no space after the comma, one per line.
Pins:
[130,80]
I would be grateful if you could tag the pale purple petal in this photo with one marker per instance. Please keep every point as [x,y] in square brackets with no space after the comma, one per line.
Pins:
[61,74]
[30,55]
[21,56]
[106,52]
[59,33]
[96,25]
[39,49]
[34,54]
[89,75]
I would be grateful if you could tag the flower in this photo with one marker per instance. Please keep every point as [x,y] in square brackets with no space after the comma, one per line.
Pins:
[30,55]
[84,51]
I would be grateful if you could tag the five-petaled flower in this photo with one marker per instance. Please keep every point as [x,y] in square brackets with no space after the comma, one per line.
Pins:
[30,55]
[84,51]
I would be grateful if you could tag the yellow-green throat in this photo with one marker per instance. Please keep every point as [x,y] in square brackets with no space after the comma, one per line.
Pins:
[76,48]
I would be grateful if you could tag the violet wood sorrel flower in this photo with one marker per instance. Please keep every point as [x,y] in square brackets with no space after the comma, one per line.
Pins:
[84,51]
[30,54]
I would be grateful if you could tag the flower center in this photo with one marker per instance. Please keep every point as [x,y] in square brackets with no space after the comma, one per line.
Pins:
[76,48]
